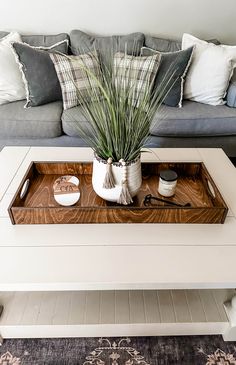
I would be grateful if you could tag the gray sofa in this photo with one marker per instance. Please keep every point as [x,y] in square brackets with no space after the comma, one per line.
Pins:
[193,125]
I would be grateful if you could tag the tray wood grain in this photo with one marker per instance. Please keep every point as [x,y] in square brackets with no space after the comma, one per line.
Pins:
[39,207]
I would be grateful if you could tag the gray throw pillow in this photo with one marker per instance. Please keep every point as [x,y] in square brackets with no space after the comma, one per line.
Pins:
[172,63]
[39,75]
[106,47]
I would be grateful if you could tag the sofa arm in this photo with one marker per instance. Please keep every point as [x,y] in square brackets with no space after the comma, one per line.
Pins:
[231,95]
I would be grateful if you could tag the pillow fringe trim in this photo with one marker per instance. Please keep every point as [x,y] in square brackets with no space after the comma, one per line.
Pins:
[180,104]
[22,74]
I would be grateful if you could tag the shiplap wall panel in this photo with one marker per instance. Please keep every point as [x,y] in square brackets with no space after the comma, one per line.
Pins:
[92,310]
[19,301]
[166,306]
[62,308]
[47,308]
[151,306]
[77,307]
[195,305]
[137,310]
[210,306]
[122,313]
[32,309]
[107,311]
[181,307]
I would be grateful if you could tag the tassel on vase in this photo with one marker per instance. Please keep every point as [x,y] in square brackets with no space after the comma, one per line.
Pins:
[109,181]
[125,197]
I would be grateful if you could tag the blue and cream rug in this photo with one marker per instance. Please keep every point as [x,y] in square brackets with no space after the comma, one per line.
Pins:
[182,350]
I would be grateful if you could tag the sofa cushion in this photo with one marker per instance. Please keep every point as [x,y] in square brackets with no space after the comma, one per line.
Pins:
[195,119]
[231,95]
[167,45]
[70,119]
[43,40]
[106,46]
[47,41]
[39,122]
[162,45]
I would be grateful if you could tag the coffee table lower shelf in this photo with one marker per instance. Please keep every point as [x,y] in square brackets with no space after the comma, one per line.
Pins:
[113,313]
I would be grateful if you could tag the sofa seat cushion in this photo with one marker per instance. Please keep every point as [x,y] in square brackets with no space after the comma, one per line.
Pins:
[194,120]
[39,122]
[71,118]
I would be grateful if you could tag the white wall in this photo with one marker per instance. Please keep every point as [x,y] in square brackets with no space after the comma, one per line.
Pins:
[168,18]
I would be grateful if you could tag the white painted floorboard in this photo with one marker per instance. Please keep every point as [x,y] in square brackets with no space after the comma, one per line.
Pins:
[113,313]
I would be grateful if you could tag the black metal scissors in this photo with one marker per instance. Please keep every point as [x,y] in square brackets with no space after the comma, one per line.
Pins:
[148,200]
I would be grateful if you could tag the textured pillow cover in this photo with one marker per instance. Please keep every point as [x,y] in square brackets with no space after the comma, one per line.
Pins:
[75,82]
[210,71]
[39,75]
[11,84]
[106,47]
[137,73]
[176,63]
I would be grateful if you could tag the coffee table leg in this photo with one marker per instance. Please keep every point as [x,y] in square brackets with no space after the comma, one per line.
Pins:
[230,308]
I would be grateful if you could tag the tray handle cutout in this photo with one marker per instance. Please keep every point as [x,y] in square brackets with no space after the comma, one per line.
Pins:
[24,189]
[210,189]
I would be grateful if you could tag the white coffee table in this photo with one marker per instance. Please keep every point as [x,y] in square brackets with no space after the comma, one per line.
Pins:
[115,279]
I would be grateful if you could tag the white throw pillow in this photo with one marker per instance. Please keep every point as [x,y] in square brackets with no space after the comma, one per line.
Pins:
[210,71]
[11,84]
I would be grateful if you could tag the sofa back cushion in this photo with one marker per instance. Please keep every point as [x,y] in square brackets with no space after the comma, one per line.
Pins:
[47,41]
[106,46]
[44,40]
[162,45]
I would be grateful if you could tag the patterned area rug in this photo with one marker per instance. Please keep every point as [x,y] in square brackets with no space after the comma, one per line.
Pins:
[181,350]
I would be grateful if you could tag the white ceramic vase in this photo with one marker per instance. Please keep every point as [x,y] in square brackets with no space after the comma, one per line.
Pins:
[134,178]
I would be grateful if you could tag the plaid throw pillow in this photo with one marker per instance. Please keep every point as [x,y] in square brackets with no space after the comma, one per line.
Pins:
[76,77]
[136,74]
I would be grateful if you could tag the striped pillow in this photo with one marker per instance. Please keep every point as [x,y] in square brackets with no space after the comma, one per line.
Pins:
[136,74]
[78,77]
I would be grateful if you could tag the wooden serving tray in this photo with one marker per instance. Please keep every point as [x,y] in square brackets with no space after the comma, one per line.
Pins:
[194,186]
